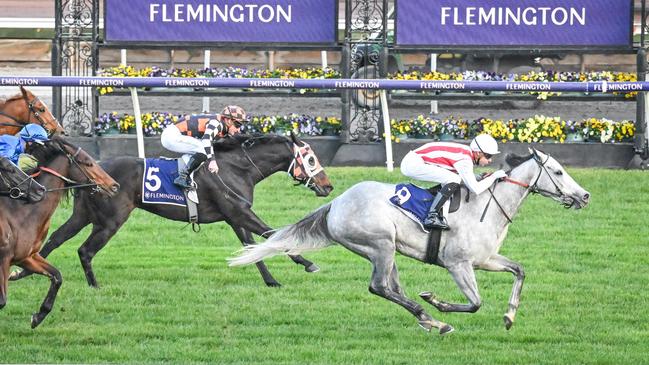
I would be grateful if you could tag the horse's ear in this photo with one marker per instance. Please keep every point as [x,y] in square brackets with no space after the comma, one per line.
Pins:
[536,154]
[23,91]
[294,138]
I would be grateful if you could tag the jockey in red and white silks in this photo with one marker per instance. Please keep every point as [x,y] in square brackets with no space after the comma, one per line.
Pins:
[449,164]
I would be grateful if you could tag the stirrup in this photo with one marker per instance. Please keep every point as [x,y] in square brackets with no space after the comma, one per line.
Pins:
[183,182]
[436,222]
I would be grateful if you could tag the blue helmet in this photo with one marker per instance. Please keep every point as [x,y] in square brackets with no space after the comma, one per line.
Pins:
[33,133]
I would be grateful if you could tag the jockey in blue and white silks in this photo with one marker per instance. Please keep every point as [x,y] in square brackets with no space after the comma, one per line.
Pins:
[11,147]
[450,164]
[194,136]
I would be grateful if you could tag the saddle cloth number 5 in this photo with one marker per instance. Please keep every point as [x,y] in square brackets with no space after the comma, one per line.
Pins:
[151,176]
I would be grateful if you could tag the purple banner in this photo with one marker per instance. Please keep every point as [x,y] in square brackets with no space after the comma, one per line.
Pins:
[237,21]
[510,23]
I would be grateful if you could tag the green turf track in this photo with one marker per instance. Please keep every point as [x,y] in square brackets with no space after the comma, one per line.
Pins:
[168,296]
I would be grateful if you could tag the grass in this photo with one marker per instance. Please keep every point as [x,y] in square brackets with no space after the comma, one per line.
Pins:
[168,296]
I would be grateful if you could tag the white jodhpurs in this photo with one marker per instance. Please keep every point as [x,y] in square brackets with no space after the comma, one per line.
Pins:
[174,141]
[414,167]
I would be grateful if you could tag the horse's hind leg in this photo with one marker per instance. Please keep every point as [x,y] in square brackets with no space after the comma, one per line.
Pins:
[68,230]
[39,265]
[246,239]
[464,277]
[308,265]
[501,263]
[382,285]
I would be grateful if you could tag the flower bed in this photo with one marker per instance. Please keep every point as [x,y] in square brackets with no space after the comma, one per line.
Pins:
[154,123]
[538,128]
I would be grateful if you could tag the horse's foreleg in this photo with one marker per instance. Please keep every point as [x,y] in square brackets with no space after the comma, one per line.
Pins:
[39,265]
[501,263]
[246,239]
[464,277]
[384,282]
[5,265]
[96,241]
[68,230]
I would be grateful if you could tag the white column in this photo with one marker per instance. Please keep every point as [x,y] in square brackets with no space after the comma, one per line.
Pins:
[138,123]
[388,134]
[323,55]
[433,67]
[206,64]
[122,61]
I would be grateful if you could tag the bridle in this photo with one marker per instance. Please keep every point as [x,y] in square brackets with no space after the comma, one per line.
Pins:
[303,168]
[31,106]
[71,183]
[305,165]
[532,188]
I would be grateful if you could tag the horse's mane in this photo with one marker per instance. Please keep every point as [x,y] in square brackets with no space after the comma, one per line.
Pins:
[233,142]
[515,160]
[4,101]
[50,149]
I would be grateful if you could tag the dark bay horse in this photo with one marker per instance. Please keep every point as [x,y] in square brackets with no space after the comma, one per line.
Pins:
[364,221]
[23,227]
[25,108]
[243,162]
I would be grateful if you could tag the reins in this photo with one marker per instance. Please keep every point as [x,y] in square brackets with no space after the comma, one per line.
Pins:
[533,188]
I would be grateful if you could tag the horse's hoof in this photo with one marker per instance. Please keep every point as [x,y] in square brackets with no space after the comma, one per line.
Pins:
[446,329]
[508,322]
[36,319]
[312,268]
[17,275]
[426,325]
[273,284]
[427,296]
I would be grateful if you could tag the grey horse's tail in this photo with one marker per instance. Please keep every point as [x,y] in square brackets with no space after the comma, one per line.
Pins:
[311,233]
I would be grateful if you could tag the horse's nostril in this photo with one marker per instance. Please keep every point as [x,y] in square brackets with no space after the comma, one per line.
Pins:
[115,187]
[586,196]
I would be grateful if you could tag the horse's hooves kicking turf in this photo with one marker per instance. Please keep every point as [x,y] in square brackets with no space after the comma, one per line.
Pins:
[312,268]
[274,284]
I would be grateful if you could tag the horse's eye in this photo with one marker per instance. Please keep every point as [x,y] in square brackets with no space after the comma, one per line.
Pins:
[559,173]
[42,110]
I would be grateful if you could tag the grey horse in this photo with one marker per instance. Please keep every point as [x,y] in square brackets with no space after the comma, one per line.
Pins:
[364,221]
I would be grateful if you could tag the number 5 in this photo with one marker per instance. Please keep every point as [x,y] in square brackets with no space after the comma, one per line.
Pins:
[150,176]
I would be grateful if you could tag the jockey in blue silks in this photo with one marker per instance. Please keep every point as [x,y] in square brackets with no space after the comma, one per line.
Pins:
[11,147]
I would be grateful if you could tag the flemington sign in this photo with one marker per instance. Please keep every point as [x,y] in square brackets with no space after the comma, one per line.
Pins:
[514,23]
[221,21]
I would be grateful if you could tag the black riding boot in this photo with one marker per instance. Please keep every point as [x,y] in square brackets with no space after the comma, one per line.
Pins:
[434,219]
[183,180]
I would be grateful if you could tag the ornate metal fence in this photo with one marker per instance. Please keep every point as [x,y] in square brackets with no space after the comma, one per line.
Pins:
[365,52]
[74,53]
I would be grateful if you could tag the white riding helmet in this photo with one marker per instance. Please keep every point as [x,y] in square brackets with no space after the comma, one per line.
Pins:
[485,143]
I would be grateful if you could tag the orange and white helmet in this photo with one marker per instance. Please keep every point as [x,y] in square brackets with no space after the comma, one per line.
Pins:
[235,113]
